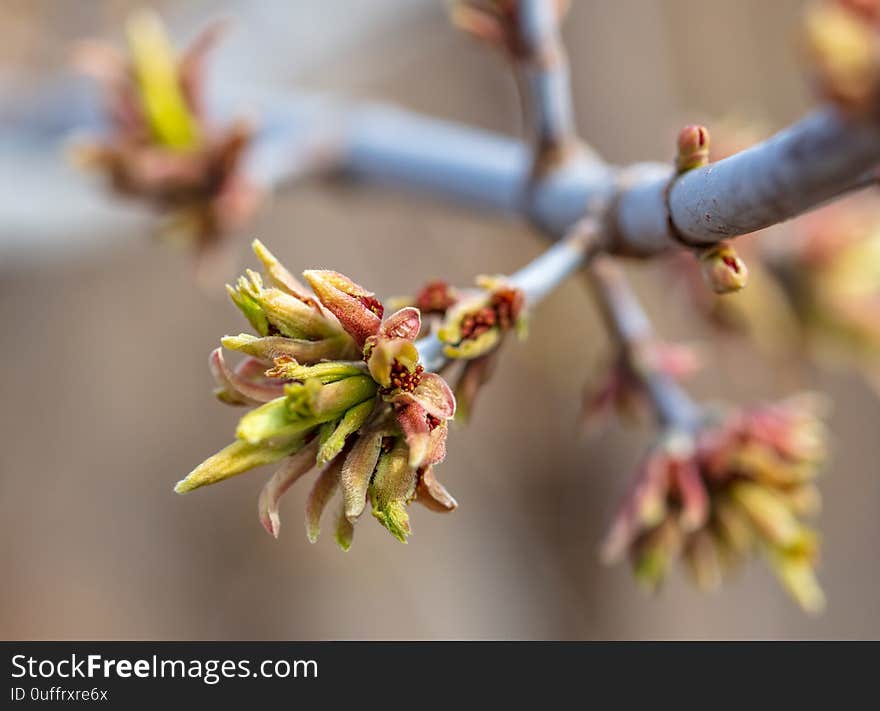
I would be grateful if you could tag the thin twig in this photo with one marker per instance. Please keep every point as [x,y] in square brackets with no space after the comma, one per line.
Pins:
[631,330]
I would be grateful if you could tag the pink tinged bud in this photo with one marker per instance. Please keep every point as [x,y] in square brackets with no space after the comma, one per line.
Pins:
[413,421]
[322,491]
[287,474]
[433,394]
[644,508]
[244,386]
[432,494]
[422,417]
[357,309]
[692,493]
[722,269]
[693,148]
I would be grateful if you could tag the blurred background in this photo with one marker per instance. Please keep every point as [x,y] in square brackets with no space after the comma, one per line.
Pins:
[107,397]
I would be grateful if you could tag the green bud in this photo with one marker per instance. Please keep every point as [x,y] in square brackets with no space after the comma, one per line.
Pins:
[237,458]
[272,311]
[350,423]
[325,402]
[271,422]
[305,407]
[733,525]
[797,576]
[722,269]
[277,273]
[250,308]
[326,372]
[655,553]
[357,471]
[344,530]
[768,513]
[393,486]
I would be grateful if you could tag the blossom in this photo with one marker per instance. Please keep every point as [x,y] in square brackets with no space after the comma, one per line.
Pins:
[471,326]
[335,386]
[161,146]
[738,485]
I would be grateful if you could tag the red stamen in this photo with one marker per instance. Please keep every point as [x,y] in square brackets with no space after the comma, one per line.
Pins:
[373,305]
[435,298]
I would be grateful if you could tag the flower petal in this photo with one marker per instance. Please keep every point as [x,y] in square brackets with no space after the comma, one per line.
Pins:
[384,352]
[289,472]
[405,323]
[413,422]
[434,395]
[432,494]
[357,309]
[694,499]
[644,507]
[235,388]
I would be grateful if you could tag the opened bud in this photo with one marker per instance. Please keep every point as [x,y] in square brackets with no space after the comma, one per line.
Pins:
[722,269]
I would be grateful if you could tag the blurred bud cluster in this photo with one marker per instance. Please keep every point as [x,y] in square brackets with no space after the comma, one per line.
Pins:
[740,485]
[161,147]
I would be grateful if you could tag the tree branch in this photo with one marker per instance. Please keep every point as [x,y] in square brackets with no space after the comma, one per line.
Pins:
[631,330]
[822,156]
